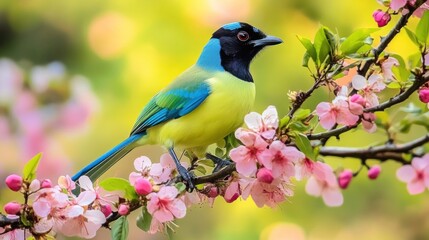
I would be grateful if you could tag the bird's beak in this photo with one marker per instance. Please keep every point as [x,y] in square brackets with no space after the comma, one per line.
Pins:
[266,41]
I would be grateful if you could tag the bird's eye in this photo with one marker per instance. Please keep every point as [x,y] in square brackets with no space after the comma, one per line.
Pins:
[243,36]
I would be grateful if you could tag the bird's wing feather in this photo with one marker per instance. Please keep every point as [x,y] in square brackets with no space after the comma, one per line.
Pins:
[178,100]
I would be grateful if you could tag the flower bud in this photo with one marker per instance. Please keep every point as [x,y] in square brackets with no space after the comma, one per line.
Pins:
[265,175]
[213,192]
[46,183]
[382,18]
[143,186]
[106,210]
[14,182]
[374,171]
[424,95]
[232,192]
[12,208]
[124,209]
[345,178]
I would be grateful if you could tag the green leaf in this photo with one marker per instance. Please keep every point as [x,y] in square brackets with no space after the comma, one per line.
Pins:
[119,184]
[304,145]
[201,169]
[144,220]
[321,45]
[219,152]
[413,37]
[422,30]
[356,40]
[181,187]
[311,51]
[394,85]
[120,229]
[206,162]
[305,59]
[301,114]
[29,171]
[284,121]
[401,72]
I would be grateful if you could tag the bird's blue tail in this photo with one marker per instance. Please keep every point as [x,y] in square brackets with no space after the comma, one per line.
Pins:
[96,168]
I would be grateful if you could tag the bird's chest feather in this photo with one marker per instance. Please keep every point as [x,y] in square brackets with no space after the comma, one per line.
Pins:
[220,114]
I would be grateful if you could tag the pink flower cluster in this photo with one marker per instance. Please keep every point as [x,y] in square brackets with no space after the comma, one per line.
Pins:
[57,210]
[40,101]
[347,110]
[266,166]
[164,202]
[415,175]
[382,18]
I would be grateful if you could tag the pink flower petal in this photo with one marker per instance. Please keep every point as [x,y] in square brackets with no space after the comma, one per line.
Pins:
[420,163]
[178,208]
[42,207]
[74,211]
[95,216]
[85,198]
[168,193]
[406,173]
[359,82]
[142,163]
[44,225]
[313,187]
[395,5]
[253,121]
[86,183]
[332,197]
[416,187]
[163,215]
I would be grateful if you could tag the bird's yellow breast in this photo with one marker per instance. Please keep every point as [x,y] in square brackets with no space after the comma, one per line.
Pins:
[221,113]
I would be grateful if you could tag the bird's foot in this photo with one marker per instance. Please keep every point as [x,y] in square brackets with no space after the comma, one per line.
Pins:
[188,177]
[219,162]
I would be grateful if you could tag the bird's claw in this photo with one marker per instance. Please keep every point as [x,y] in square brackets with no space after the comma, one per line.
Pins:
[220,163]
[187,177]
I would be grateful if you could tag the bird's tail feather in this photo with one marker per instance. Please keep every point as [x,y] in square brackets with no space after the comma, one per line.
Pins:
[99,166]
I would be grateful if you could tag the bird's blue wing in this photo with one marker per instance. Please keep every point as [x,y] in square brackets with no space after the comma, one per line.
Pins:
[174,102]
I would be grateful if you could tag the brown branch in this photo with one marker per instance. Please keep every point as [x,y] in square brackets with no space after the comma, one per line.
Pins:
[382,153]
[388,38]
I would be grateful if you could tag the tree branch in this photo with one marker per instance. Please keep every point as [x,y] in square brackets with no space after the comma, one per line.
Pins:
[382,153]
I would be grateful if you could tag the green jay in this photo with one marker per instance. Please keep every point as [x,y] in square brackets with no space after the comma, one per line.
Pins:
[202,105]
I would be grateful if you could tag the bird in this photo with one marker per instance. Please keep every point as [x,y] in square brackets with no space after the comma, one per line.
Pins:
[201,106]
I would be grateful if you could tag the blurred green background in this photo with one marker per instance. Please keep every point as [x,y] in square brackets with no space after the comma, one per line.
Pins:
[129,50]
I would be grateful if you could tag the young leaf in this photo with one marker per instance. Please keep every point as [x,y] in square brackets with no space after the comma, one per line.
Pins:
[206,162]
[119,184]
[144,220]
[321,45]
[301,114]
[29,172]
[311,51]
[120,229]
[356,40]
[413,37]
[181,187]
[422,30]
[304,145]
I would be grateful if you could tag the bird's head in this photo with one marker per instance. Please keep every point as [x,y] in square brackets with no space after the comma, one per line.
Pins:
[232,47]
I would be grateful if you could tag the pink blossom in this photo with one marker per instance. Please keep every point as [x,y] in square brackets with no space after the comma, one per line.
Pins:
[123,209]
[82,223]
[14,182]
[415,175]
[67,183]
[280,159]
[381,18]
[232,192]
[12,208]
[375,84]
[324,183]
[17,234]
[46,183]
[102,197]
[356,104]
[265,175]
[374,171]
[143,186]
[143,166]
[424,94]
[336,112]
[419,12]
[265,124]
[303,169]
[368,122]
[41,77]
[106,210]
[162,171]
[345,178]
[395,5]
[165,206]
[386,67]
[247,156]
[269,194]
